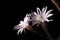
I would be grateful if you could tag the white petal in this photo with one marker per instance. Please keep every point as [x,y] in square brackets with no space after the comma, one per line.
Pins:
[21,22]
[44,12]
[49,15]
[26,15]
[35,13]
[43,9]
[17,27]
[38,10]
[20,31]
[33,24]
[47,20]
[50,20]
[48,12]
[26,19]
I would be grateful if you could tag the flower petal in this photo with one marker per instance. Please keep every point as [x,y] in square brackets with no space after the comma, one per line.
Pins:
[49,15]
[38,10]
[20,30]
[44,12]
[43,9]
[35,13]
[17,27]
[47,20]
[48,12]
[50,20]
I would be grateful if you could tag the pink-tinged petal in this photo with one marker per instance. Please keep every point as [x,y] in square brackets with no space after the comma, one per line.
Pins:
[20,30]
[22,25]
[21,22]
[47,20]
[50,20]
[35,13]
[48,12]
[17,27]
[38,10]
[49,15]
[43,9]
[44,12]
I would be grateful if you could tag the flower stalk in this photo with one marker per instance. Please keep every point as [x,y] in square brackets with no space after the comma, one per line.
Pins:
[32,30]
[44,27]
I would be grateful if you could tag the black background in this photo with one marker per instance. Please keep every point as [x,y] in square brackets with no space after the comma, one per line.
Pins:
[16,11]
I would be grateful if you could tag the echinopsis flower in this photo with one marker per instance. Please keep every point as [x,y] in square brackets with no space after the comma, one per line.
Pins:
[23,24]
[36,18]
[41,16]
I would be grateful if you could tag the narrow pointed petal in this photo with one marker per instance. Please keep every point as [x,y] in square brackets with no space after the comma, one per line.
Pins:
[47,20]
[48,12]
[20,31]
[35,13]
[49,15]
[38,11]
[44,12]
[17,27]
[43,9]
[50,20]
[33,24]
[26,15]
[21,21]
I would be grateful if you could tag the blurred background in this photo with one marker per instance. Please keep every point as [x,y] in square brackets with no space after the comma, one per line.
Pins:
[17,11]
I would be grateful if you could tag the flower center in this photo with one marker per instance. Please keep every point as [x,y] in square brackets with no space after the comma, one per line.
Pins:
[40,18]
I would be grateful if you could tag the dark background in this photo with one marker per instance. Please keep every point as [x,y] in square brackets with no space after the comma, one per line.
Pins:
[16,11]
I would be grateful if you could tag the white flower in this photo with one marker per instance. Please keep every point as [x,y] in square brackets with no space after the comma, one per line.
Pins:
[41,16]
[23,24]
